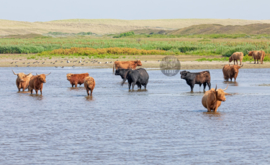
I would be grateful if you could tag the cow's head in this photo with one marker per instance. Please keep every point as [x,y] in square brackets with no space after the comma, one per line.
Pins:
[220,94]
[230,59]
[69,76]
[250,53]
[22,76]
[120,71]
[184,74]
[139,63]
[42,77]
[236,68]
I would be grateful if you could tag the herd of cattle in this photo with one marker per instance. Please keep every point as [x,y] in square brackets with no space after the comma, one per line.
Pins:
[127,70]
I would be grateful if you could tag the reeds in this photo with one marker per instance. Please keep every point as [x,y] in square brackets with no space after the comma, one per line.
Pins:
[105,51]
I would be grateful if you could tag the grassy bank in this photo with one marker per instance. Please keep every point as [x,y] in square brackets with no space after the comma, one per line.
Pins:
[245,59]
[172,46]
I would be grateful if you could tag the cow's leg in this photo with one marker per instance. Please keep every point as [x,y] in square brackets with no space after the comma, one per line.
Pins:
[133,84]
[208,108]
[209,85]
[129,84]
[191,87]
[41,91]
[91,92]
[217,105]
[36,91]
[237,62]
[139,85]
[87,91]
[31,91]
[76,85]
[204,85]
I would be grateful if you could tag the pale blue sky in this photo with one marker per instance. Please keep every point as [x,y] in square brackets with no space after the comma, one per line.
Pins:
[41,10]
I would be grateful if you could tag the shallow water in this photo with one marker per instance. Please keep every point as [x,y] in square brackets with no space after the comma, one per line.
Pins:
[166,124]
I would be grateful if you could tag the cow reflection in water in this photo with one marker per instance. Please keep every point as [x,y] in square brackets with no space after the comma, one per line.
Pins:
[212,114]
[89,98]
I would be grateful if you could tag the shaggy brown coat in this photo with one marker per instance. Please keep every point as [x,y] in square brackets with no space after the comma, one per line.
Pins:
[22,80]
[230,72]
[257,55]
[236,56]
[89,84]
[126,64]
[36,82]
[211,99]
[76,79]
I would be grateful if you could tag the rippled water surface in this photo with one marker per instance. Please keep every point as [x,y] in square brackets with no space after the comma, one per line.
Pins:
[164,125]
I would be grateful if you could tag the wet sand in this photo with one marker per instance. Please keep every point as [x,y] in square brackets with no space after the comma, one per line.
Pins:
[149,61]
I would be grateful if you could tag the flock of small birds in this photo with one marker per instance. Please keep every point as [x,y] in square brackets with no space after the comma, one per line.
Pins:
[61,63]
[56,63]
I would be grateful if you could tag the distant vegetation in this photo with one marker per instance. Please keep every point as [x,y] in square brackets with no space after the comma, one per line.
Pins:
[172,46]
[57,34]
[124,34]
[103,51]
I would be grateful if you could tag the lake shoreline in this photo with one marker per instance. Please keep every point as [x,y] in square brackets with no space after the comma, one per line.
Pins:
[188,62]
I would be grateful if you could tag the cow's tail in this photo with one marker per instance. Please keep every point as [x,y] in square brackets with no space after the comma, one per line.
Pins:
[262,56]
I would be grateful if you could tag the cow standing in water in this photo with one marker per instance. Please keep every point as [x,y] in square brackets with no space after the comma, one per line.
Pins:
[139,77]
[36,82]
[230,72]
[76,79]
[212,99]
[197,78]
[126,64]
[22,80]
[89,84]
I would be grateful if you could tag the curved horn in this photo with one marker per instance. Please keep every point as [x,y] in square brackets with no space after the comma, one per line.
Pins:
[28,74]
[216,88]
[226,87]
[14,73]
[242,66]
[48,74]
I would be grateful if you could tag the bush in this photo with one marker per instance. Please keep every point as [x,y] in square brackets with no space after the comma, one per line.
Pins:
[131,33]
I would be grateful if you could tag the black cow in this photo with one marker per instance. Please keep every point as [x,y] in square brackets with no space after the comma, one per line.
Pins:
[197,78]
[139,77]
[121,72]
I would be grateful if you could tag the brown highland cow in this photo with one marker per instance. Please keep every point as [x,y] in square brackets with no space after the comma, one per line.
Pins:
[22,80]
[76,79]
[257,55]
[89,84]
[212,99]
[36,82]
[236,56]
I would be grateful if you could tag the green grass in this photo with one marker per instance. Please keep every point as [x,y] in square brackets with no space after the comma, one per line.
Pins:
[245,59]
[202,47]
[208,36]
